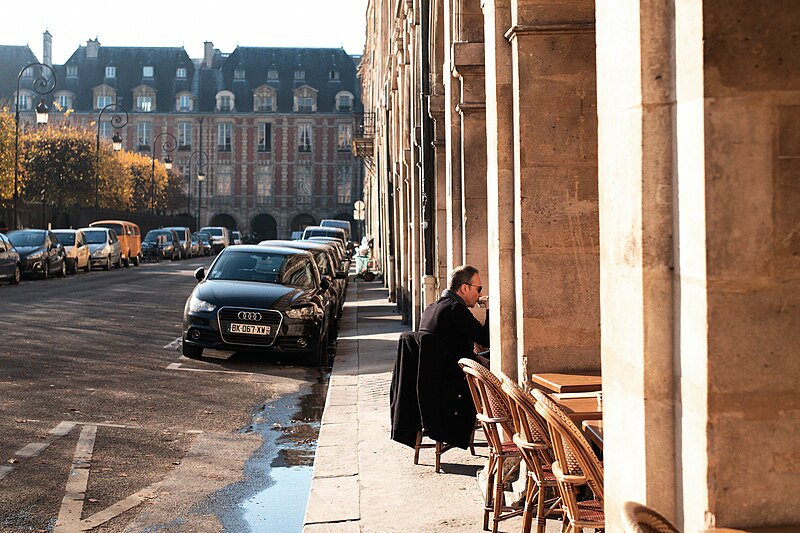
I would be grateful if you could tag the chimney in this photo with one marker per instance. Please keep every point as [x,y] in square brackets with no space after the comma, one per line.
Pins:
[47,49]
[208,54]
[92,47]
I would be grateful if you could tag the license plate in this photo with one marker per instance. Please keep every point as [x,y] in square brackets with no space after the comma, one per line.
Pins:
[250,329]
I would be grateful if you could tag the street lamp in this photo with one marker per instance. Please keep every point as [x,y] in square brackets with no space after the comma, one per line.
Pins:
[200,178]
[168,145]
[118,119]
[202,159]
[42,86]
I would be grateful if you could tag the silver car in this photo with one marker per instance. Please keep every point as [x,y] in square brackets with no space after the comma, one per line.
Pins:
[104,247]
[77,248]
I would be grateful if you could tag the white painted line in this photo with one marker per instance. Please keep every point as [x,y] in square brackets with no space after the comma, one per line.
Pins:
[69,517]
[5,470]
[62,429]
[174,345]
[177,366]
[174,366]
[147,493]
[31,450]
[108,425]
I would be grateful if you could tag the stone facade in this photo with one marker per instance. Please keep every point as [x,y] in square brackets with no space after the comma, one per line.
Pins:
[272,127]
[624,174]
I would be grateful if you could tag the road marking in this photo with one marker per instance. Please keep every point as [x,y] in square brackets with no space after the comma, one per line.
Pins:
[31,450]
[5,470]
[177,366]
[174,345]
[69,517]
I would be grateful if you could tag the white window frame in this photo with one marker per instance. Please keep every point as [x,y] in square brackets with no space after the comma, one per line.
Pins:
[343,97]
[264,137]
[147,71]
[223,183]
[181,73]
[104,100]
[111,72]
[264,182]
[72,71]
[144,103]
[273,75]
[344,184]
[24,101]
[333,75]
[239,74]
[344,137]
[305,137]
[299,75]
[188,101]
[304,184]
[225,137]
[184,134]
[144,134]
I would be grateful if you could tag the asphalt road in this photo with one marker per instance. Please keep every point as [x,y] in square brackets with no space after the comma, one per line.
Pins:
[104,426]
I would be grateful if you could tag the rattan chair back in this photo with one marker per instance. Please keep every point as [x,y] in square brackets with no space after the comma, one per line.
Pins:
[490,403]
[638,518]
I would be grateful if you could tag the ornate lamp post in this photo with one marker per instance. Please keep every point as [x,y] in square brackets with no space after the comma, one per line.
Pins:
[118,119]
[42,86]
[168,145]
[202,159]
[200,178]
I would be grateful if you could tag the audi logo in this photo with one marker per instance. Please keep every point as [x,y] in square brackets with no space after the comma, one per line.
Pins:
[249,315]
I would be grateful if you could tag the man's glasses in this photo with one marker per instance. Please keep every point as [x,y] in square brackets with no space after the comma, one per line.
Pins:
[478,287]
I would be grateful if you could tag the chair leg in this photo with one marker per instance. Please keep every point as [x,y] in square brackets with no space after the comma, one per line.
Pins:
[541,521]
[530,492]
[499,494]
[438,456]
[417,447]
[489,491]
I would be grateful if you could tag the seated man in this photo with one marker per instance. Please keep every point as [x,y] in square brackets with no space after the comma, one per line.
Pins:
[450,319]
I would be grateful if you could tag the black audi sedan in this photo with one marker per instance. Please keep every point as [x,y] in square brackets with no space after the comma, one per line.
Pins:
[260,298]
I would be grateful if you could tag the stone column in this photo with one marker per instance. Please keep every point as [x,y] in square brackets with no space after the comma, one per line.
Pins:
[500,186]
[556,224]
[635,108]
[468,64]
[452,131]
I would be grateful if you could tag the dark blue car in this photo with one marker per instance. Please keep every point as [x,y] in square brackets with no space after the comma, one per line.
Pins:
[10,266]
[40,252]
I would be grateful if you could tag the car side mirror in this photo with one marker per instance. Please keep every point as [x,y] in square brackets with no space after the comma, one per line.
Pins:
[200,274]
[341,274]
[324,284]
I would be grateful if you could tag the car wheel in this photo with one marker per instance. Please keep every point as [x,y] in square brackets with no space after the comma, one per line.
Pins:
[73,266]
[63,270]
[45,270]
[88,267]
[192,352]
[107,266]
[319,355]
[17,274]
[118,264]
[126,262]
[136,261]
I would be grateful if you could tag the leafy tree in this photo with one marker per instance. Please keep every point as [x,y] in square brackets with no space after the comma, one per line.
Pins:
[6,154]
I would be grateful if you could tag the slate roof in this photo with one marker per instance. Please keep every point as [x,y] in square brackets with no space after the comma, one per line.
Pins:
[12,60]
[204,83]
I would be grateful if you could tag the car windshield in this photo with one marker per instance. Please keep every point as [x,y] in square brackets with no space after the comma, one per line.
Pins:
[67,238]
[265,267]
[116,227]
[26,238]
[217,232]
[152,236]
[95,237]
[205,237]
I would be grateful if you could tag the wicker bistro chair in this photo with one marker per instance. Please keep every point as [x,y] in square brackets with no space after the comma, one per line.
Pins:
[494,414]
[638,518]
[533,442]
[576,465]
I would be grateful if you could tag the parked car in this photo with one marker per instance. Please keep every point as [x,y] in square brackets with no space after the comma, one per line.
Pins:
[236,237]
[341,224]
[74,242]
[104,247]
[328,266]
[220,237]
[169,246]
[130,239]
[260,298]
[185,240]
[341,251]
[10,265]
[205,242]
[197,246]
[40,252]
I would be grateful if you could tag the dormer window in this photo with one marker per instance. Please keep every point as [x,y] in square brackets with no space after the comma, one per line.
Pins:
[24,102]
[225,101]
[64,100]
[111,72]
[144,99]
[264,99]
[344,101]
[185,102]
[272,75]
[333,75]
[147,72]
[238,74]
[144,104]
[180,73]
[72,71]
[305,99]
[103,95]
[299,75]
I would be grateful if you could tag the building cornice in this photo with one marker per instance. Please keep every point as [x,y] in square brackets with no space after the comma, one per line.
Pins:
[558,28]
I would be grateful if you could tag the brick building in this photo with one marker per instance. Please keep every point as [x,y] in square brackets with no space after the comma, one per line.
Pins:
[271,127]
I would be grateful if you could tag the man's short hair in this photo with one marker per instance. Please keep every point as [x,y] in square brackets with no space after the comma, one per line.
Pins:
[461,275]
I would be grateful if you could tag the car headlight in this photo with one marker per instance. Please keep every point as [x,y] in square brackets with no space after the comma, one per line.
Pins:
[197,305]
[35,256]
[305,312]
[98,252]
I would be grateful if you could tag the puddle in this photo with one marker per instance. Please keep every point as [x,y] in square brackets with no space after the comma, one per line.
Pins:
[277,478]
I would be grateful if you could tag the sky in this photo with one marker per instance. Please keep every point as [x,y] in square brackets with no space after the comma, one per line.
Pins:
[226,23]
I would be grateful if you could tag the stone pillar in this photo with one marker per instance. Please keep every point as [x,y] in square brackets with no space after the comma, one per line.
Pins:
[468,64]
[452,130]
[500,186]
[555,143]
[635,108]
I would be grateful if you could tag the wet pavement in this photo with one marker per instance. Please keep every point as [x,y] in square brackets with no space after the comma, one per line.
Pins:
[277,477]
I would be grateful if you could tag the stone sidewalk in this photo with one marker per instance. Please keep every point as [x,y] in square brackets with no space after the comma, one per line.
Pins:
[363,481]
